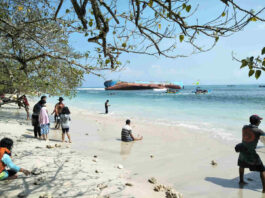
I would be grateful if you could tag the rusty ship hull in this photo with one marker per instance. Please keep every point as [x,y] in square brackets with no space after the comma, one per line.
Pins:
[113,85]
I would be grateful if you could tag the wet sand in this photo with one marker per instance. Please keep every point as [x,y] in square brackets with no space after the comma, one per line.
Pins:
[181,157]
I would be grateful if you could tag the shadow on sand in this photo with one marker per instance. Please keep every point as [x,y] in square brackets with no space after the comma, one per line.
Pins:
[50,139]
[253,180]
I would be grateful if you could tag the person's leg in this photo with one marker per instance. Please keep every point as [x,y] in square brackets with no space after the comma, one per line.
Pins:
[241,176]
[36,131]
[69,137]
[262,177]
[39,133]
[27,110]
[63,135]
[57,126]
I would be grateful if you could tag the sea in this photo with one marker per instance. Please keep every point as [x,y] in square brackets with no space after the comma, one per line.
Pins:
[222,112]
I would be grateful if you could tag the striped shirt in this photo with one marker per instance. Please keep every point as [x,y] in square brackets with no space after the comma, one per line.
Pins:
[126,133]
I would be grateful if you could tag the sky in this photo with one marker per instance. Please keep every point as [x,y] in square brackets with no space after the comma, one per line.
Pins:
[210,68]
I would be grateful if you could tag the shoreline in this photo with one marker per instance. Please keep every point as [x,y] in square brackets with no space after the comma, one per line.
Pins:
[181,158]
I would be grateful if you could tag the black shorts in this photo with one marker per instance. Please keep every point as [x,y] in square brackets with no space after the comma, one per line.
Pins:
[11,173]
[66,130]
[254,165]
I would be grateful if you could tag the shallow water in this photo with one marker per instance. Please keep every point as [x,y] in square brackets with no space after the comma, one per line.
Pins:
[222,112]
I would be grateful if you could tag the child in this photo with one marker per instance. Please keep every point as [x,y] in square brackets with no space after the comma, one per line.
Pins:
[6,145]
[44,121]
[65,123]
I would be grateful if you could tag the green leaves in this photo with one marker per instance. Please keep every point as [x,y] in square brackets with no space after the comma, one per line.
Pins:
[107,61]
[150,3]
[257,74]
[244,63]
[216,38]
[188,8]
[255,64]
[251,72]
[124,45]
[253,19]
[181,38]
[263,51]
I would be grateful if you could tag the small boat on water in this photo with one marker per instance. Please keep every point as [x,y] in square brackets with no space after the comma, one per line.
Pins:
[200,91]
[121,85]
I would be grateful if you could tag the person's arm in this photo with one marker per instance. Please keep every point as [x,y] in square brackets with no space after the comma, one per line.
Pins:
[262,133]
[136,138]
[56,109]
[9,163]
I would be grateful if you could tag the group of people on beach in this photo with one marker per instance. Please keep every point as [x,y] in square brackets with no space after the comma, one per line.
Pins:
[248,157]
[41,124]
[41,121]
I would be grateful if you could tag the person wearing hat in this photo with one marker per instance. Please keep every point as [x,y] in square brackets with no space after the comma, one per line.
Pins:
[248,157]
[57,111]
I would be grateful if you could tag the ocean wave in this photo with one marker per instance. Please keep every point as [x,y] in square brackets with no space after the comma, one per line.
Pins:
[84,88]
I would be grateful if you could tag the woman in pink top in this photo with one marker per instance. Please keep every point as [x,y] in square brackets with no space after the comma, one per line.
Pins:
[44,121]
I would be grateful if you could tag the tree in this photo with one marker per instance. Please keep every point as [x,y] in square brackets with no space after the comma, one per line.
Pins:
[154,27]
[35,53]
[255,64]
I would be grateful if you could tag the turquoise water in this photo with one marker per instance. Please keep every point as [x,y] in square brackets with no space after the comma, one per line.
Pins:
[222,112]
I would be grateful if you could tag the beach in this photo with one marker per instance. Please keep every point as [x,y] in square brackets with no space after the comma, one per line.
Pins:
[176,156]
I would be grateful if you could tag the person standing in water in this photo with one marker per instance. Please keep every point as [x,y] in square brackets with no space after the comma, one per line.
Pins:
[107,106]
[248,157]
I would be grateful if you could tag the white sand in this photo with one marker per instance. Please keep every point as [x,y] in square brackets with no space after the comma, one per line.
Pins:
[181,159]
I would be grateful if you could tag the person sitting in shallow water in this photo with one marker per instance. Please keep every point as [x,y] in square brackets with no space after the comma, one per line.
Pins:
[6,145]
[126,133]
